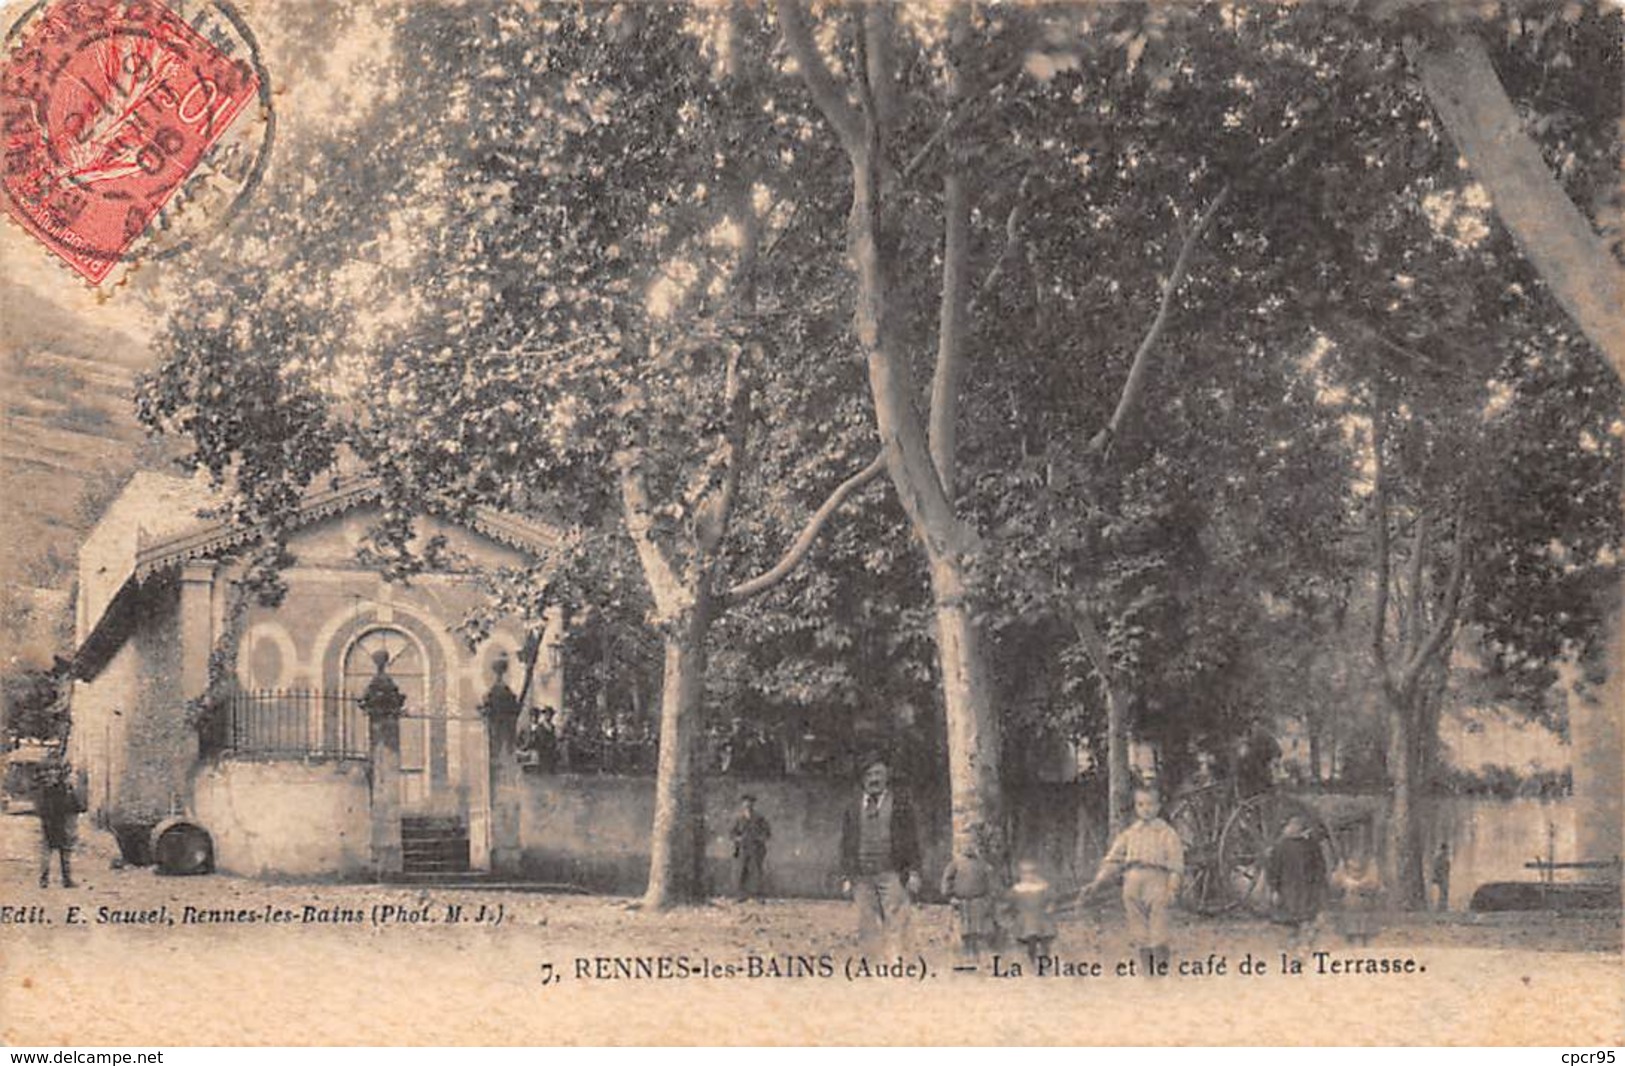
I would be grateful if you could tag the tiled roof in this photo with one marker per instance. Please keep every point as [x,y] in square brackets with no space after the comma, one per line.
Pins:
[184,537]
[213,539]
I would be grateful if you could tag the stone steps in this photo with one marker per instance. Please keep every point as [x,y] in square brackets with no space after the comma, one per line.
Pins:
[433,846]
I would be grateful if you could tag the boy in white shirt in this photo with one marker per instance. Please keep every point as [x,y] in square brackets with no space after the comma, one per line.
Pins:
[1151,859]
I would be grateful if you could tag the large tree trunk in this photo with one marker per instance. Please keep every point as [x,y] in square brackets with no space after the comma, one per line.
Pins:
[685,611]
[1405,852]
[677,848]
[1119,774]
[1419,659]
[1430,704]
[1572,259]
[973,727]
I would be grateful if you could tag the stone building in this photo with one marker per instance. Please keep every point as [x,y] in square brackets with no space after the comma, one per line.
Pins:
[282,766]
[287,772]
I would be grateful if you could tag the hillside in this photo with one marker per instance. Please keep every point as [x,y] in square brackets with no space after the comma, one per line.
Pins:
[68,433]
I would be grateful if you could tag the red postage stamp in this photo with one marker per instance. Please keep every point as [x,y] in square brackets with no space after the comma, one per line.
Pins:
[106,108]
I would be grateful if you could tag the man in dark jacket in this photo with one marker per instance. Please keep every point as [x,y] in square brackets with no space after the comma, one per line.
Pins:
[880,859]
[542,740]
[1256,754]
[750,835]
[58,808]
[1441,875]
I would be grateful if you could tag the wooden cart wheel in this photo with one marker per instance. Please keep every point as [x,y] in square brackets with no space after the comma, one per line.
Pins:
[1245,843]
[1199,818]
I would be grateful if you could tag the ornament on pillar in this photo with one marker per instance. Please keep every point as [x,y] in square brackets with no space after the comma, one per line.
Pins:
[382,698]
[500,706]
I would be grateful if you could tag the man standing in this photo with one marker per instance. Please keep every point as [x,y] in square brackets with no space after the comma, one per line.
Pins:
[1256,754]
[544,739]
[1441,875]
[750,835]
[880,859]
[58,808]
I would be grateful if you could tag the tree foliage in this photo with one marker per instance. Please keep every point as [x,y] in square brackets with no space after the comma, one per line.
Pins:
[1202,371]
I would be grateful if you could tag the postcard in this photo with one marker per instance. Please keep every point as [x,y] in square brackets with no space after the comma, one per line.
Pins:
[796,522]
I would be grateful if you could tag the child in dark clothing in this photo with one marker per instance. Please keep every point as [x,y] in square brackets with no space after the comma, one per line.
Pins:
[968,884]
[1296,871]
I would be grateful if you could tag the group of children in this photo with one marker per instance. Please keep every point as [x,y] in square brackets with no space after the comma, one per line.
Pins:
[1149,858]
[983,915]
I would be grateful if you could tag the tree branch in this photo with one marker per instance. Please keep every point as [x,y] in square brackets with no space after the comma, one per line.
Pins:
[1365,331]
[528,655]
[938,135]
[1141,367]
[658,567]
[1379,505]
[880,61]
[808,536]
[711,524]
[1411,625]
[931,514]
[1094,643]
[717,511]
[1012,245]
[953,309]
[951,331]
[1418,357]
[1572,259]
[783,232]
[1445,624]
[826,93]
[864,67]
[957,114]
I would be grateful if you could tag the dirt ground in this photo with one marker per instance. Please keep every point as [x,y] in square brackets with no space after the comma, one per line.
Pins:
[546,972]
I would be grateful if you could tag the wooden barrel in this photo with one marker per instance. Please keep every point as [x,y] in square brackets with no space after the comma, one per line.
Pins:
[134,840]
[182,847]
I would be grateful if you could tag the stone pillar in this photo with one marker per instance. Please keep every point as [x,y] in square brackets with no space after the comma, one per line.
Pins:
[383,703]
[1597,747]
[196,627]
[500,709]
[161,741]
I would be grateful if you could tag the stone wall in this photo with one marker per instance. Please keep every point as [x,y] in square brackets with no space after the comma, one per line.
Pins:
[130,734]
[310,820]
[97,743]
[1490,839]
[592,831]
[301,820]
